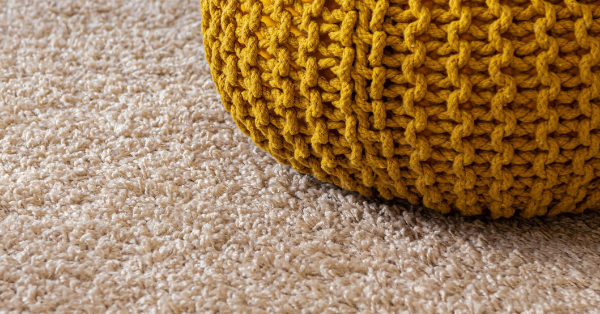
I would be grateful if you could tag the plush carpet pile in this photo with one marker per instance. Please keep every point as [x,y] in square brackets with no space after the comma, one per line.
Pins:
[126,187]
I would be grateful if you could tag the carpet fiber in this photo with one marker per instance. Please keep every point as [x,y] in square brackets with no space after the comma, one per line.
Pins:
[126,187]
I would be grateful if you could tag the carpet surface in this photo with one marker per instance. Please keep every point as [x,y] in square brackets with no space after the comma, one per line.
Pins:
[126,187]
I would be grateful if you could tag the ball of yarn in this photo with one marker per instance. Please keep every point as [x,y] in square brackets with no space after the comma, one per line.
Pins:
[478,107]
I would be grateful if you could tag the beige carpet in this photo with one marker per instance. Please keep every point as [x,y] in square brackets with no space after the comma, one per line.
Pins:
[126,187]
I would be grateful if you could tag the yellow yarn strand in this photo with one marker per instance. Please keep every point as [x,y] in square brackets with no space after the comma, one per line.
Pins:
[479,107]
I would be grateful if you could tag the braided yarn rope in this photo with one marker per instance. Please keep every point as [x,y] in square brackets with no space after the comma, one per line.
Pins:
[481,107]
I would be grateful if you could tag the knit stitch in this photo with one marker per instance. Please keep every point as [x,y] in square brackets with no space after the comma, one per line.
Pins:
[481,107]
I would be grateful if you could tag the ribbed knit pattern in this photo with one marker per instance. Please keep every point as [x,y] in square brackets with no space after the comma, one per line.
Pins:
[477,107]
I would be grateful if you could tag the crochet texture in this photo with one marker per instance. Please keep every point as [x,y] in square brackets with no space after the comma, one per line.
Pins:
[477,107]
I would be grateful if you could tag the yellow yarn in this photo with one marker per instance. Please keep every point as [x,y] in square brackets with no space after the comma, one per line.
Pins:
[469,106]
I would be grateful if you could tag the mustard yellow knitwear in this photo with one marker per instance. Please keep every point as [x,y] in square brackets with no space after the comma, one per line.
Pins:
[480,107]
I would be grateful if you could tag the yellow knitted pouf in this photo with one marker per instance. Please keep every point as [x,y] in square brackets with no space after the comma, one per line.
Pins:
[481,107]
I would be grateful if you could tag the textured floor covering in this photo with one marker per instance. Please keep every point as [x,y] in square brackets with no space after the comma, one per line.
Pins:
[126,187]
